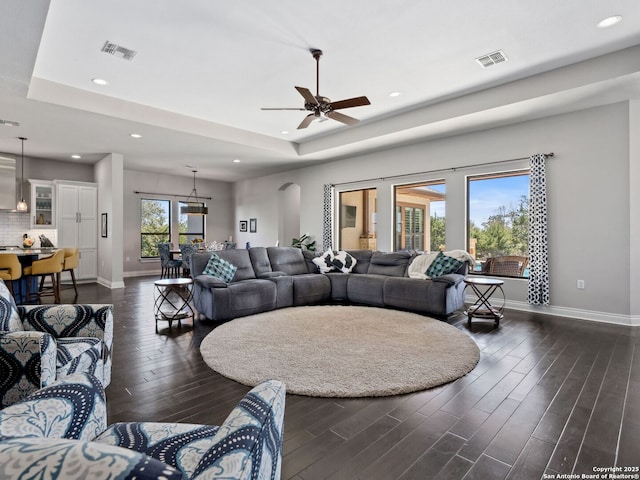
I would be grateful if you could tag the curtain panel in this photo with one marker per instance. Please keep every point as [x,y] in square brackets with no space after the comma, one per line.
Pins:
[538,291]
[327,218]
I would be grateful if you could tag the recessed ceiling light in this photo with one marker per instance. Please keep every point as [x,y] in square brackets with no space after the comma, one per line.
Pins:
[76,156]
[610,21]
[135,135]
[394,94]
[99,81]
[236,160]
[284,132]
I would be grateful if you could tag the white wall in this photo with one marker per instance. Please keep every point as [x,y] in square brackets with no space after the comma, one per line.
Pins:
[219,222]
[588,194]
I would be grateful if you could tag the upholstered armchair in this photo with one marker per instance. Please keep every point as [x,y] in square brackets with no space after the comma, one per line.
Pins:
[42,343]
[60,433]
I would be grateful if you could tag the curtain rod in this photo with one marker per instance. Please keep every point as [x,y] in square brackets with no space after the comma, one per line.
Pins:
[449,169]
[169,195]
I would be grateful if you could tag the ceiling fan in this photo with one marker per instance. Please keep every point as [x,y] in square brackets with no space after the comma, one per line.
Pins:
[320,106]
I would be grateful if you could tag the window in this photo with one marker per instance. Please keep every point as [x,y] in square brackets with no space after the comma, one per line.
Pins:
[357,219]
[155,226]
[498,223]
[420,216]
[190,227]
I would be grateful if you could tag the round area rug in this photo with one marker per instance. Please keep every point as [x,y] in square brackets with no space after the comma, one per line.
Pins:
[341,351]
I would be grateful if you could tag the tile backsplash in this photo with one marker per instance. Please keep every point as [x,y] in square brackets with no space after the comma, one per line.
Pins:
[14,225]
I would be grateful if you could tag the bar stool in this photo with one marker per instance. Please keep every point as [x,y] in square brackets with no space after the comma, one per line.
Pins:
[71,261]
[10,269]
[47,266]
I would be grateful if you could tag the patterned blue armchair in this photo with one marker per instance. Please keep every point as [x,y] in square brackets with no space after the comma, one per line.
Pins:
[42,343]
[59,433]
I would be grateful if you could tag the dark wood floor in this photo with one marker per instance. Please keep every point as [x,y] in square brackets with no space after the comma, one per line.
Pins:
[550,395]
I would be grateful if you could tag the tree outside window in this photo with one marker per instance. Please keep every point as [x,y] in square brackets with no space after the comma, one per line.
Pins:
[155,222]
[498,216]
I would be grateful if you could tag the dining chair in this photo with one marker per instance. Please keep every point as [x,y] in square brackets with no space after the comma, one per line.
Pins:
[51,266]
[169,266]
[10,269]
[186,250]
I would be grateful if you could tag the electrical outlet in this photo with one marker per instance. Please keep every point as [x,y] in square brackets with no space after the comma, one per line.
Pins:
[580,285]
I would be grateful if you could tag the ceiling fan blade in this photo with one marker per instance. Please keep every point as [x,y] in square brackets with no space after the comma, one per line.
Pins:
[341,117]
[308,96]
[307,120]
[275,108]
[350,102]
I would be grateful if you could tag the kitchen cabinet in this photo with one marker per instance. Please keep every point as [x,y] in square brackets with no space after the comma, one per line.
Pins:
[43,205]
[77,217]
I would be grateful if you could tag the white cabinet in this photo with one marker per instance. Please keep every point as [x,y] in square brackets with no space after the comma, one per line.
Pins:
[77,207]
[43,204]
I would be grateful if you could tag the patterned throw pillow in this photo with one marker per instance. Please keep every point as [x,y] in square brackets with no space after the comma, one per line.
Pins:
[343,261]
[220,268]
[325,262]
[443,265]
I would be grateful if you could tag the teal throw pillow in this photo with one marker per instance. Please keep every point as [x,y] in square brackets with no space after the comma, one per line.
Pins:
[442,265]
[220,268]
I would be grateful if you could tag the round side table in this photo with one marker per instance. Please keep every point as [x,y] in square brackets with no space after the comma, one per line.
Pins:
[484,289]
[172,299]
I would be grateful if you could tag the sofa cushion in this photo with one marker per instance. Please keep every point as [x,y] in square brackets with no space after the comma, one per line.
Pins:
[393,264]
[442,265]
[260,261]
[289,260]
[74,459]
[220,268]
[363,259]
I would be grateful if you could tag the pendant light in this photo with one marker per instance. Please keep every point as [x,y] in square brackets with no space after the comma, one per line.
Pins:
[22,205]
[194,207]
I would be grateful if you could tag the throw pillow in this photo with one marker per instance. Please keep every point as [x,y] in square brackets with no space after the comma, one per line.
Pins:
[220,268]
[343,261]
[325,262]
[443,265]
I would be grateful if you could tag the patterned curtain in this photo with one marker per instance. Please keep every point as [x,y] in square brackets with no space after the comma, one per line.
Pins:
[538,293]
[327,218]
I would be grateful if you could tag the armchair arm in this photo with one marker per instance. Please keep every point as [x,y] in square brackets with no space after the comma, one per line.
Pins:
[73,407]
[207,281]
[64,321]
[254,425]
[28,364]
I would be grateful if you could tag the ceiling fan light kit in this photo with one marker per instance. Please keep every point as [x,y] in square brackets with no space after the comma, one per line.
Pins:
[323,107]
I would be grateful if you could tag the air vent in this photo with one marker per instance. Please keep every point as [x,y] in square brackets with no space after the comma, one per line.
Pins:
[492,59]
[118,51]
[9,123]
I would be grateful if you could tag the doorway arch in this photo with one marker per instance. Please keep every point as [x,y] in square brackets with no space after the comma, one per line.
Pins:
[288,213]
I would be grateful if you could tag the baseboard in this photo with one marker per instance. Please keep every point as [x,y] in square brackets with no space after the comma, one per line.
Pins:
[142,273]
[109,284]
[593,316]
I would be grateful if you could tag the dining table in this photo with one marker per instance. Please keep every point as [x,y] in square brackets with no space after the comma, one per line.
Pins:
[26,256]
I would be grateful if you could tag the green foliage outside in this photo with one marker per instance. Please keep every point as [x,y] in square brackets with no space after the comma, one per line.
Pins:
[438,225]
[154,226]
[505,233]
[304,243]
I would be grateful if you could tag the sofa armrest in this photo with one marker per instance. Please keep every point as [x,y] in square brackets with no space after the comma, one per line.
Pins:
[207,281]
[28,364]
[76,320]
[73,407]
[254,425]
[450,279]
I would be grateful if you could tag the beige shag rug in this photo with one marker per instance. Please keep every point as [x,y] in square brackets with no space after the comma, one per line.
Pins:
[341,351]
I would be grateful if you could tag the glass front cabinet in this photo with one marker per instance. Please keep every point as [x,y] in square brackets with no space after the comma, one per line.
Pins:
[43,204]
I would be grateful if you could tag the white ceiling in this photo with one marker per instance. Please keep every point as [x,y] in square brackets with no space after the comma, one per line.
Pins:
[204,68]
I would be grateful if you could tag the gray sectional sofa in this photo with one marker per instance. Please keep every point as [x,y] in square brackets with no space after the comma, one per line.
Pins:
[276,277]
